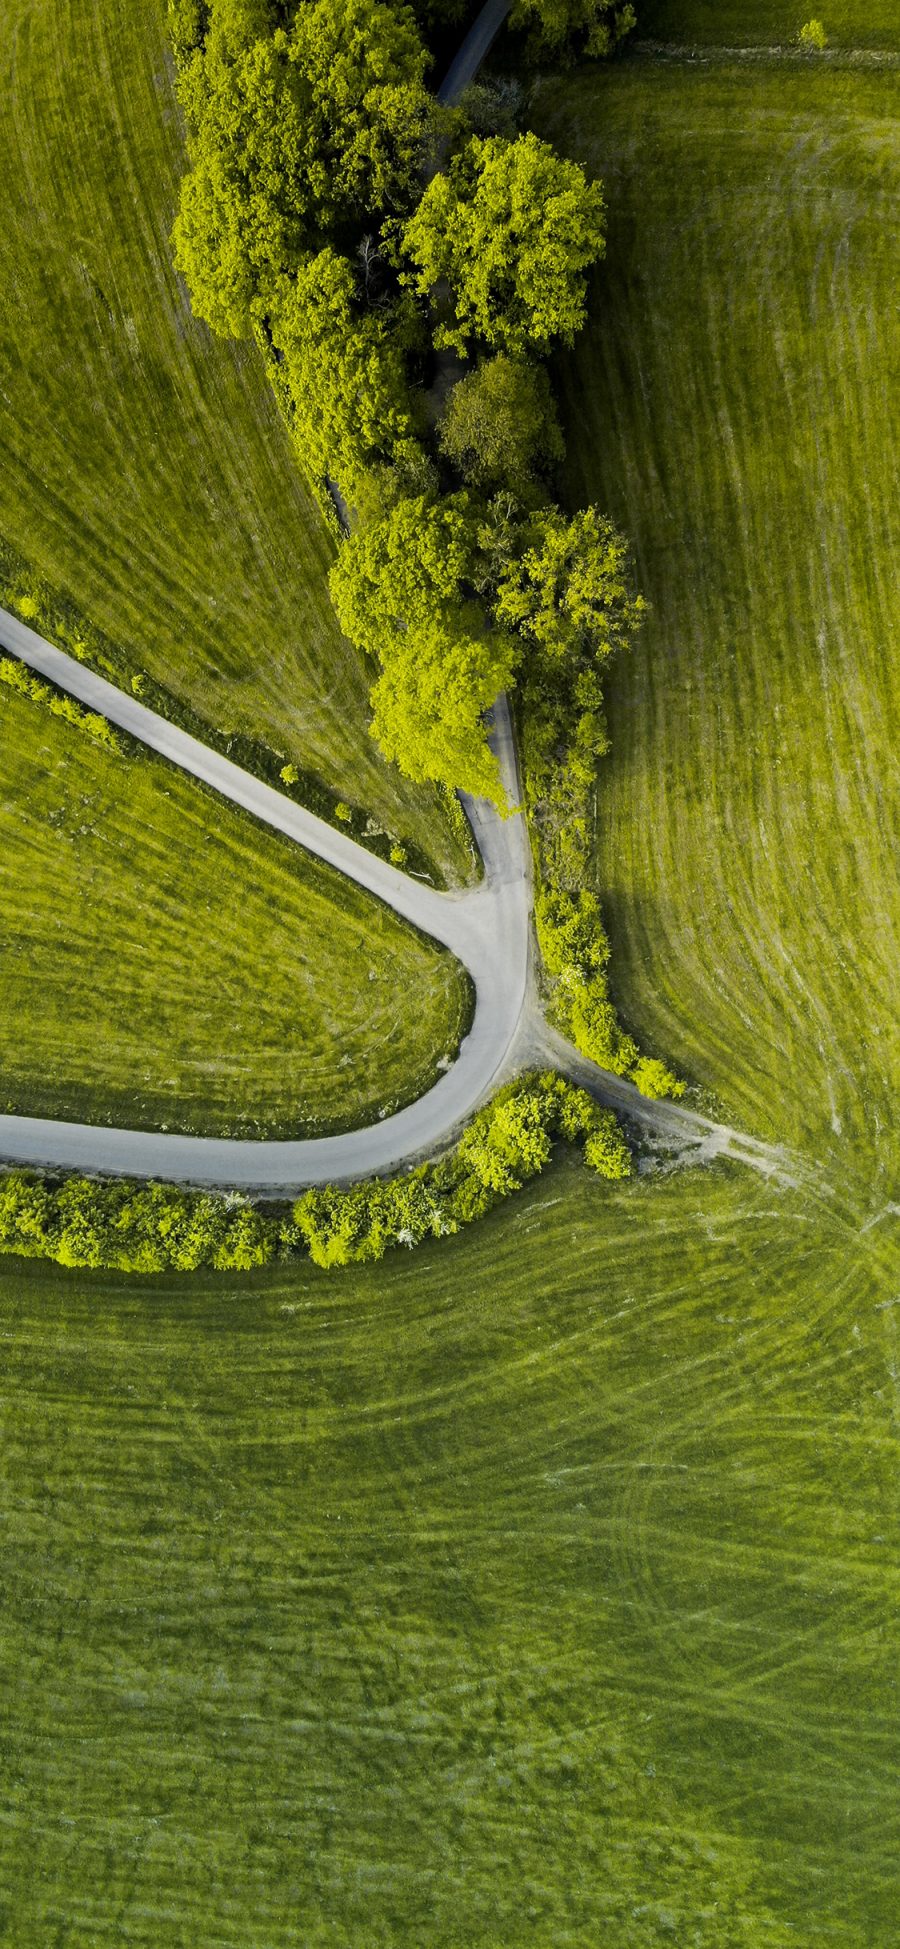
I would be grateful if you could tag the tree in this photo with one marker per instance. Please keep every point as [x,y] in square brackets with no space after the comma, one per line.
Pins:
[606,1150]
[500,427]
[514,229]
[295,133]
[402,590]
[568,589]
[342,372]
[591,27]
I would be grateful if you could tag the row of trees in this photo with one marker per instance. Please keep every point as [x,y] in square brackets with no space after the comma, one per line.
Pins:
[375,242]
[156,1228]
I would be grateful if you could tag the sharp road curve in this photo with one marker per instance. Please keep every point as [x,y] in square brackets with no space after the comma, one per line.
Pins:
[487,928]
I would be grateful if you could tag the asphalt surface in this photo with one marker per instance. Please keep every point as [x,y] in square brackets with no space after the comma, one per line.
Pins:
[488,929]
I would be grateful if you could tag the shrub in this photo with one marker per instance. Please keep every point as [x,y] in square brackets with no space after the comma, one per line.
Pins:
[18,676]
[813,36]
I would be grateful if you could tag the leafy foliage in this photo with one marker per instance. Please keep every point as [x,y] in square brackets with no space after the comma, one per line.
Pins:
[403,591]
[509,1142]
[19,677]
[342,375]
[575,953]
[514,229]
[297,133]
[812,36]
[583,27]
[500,428]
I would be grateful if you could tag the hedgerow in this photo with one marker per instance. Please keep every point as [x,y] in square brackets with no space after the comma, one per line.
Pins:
[338,215]
[18,676]
[152,1228]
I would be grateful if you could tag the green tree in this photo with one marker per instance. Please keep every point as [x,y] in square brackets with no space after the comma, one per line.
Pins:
[514,229]
[591,27]
[568,590]
[500,427]
[295,133]
[342,374]
[403,591]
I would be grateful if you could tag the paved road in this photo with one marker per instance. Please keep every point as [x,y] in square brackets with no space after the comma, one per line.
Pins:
[488,929]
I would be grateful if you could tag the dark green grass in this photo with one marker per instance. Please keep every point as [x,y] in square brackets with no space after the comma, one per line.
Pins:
[145,469]
[861,24]
[538,1588]
[733,405]
[166,961]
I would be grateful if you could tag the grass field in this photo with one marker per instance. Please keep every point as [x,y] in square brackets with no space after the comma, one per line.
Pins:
[539,1587]
[733,405]
[145,469]
[862,24]
[166,961]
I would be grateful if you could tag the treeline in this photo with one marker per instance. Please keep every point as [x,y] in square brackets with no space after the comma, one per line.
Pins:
[153,1228]
[406,270]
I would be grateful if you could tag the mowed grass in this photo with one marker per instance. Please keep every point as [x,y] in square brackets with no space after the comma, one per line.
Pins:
[539,1587]
[863,24]
[167,962]
[146,470]
[733,404]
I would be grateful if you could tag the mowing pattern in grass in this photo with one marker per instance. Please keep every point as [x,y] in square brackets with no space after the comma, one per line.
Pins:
[743,23]
[145,469]
[731,406]
[167,962]
[539,1589]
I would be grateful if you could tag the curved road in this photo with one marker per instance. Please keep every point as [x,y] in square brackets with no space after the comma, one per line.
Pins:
[488,929]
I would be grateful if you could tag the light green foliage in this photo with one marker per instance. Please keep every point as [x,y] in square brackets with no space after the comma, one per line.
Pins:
[342,374]
[575,952]
[134,1228]
[295,132]
[812,35]
[514,229]
[167,962]
[506,1144]
[585,27]
[500,427]
[402,590]
[18,676]
[606,1151]
[569,590]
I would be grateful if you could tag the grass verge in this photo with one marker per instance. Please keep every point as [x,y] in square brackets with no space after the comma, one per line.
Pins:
[167,963]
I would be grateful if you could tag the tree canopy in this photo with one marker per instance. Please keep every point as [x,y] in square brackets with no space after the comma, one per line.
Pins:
[514,229]
[500,428]
[342,373]
[403,591]
[297,132]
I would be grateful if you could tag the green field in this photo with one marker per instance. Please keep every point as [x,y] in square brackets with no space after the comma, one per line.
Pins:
[733,405]
[168,962]
[146,470]
[864,24]
[537,1588]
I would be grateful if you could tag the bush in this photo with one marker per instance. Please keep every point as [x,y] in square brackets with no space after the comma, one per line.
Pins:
[18,676]
[575,952]
[813,36]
